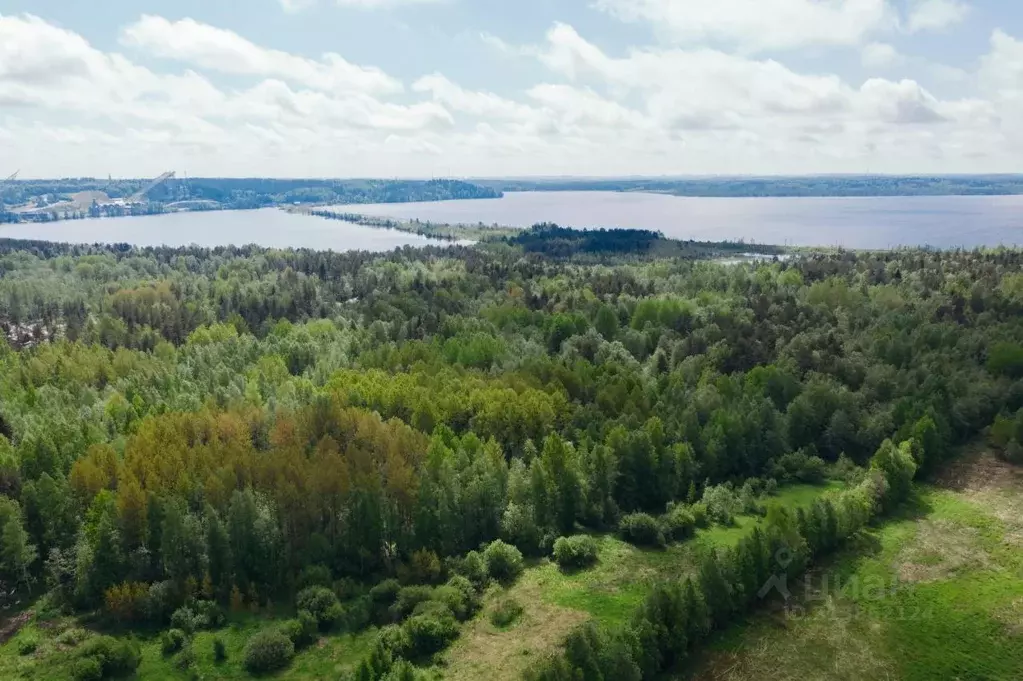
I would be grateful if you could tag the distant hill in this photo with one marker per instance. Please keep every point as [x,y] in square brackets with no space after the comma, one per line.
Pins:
[823,185]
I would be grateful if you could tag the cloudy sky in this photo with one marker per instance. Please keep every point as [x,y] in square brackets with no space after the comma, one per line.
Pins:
[420,88]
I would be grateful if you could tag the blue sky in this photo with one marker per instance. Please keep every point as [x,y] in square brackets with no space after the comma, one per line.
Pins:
[501,87]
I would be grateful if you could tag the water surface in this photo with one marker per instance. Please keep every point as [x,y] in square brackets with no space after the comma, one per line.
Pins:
[265,227]
[874,222]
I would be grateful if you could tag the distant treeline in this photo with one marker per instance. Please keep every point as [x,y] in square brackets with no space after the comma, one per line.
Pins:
[253,192]
[553,241]
[835,185]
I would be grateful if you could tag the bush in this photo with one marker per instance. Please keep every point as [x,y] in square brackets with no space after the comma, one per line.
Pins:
[454,600]
[505,611]
[722,503]
[116,658]
[208,615]
[186,658]
[356,615]
[641,529]
[161,602]
[575,552]
[267,651]
[504,561]
[429,634]
[87,669]
[394,640]
[798,467]
[172,640]
[186,620]
[27,645]
[699,511]
[321,603]
[301,631]
[678,524]
[219,649]
[408,598]
[385,592]
[474,567]
[72,637]
[469,593]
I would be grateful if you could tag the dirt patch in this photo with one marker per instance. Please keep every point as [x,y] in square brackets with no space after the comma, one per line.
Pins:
[486,652]
[10,627]
[980,470]
[940,549]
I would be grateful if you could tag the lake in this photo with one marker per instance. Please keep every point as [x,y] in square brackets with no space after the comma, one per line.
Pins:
[881,222]
[266,227]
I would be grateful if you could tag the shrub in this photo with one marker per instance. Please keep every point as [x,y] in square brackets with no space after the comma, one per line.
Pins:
[723,504]
[385,592]
[678,524]
[454,600]
[394,640]
[301,631]
[469,593]
[172,640]
[185,619]
[504,561]
[408,598]
[208,615]
[798,467]
[322,604]
[267,651]
[428,634]
[27,645]
[186,658]
[116,658]
[356,615]
[505,611]
[219,649]
[699,511]
[161,601]
[474,567]
[640,529]
[72,637]
[87,669]
[575,552]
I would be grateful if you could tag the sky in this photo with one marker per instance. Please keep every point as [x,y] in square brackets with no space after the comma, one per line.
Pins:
[488,88]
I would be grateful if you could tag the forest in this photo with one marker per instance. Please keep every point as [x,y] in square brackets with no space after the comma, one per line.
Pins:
[369,450]
[240,193]
[781,186]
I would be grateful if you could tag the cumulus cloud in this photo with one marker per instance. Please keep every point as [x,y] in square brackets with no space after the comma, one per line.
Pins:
[225,51]
[758,25]
[936,15]
[212,101]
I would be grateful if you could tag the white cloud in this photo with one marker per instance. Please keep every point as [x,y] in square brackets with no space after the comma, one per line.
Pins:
[220,50]
[299,5]
[759,25]
[936,15]
[879,55]
[648,110]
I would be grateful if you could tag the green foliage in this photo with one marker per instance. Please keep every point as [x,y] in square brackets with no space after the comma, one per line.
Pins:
[504,562]
[172,640]
[322,604]
[641,529]
[267,651]
[429,633]
[115,658]
[219,650]
[575,552]
[505,612]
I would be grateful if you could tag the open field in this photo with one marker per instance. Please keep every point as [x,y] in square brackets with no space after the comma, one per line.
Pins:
[936,593]
[555,601]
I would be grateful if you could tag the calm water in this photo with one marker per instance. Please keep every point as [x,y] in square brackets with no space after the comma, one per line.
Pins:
[267,227]
[942,222]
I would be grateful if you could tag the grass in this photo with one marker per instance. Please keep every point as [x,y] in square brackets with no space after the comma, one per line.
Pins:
[936,593]
[556,601]
[326,659]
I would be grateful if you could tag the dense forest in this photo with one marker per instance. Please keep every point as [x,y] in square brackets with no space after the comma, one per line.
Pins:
[239,193]
[817,185]
[370,440]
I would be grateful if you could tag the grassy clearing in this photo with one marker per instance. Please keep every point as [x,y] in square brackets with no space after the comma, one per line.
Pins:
[556,601]
[936,593]
[52,659]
